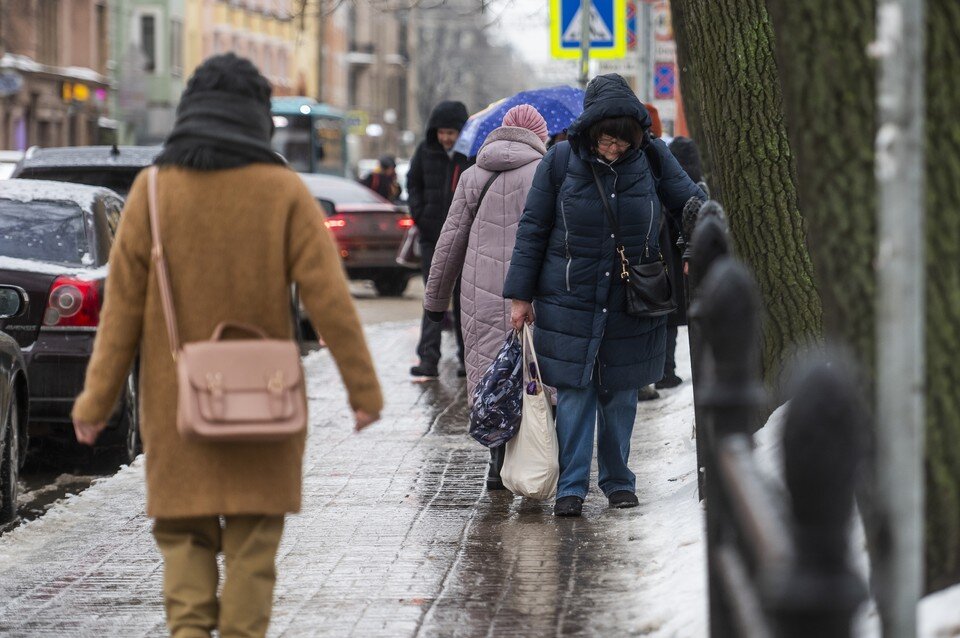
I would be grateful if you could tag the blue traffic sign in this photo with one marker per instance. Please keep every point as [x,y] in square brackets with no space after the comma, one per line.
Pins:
[608,28]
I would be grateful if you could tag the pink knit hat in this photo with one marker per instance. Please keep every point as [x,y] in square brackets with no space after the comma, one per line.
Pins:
[525,116]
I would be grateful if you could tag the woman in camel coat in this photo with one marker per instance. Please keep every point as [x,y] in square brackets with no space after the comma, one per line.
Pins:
[239,228]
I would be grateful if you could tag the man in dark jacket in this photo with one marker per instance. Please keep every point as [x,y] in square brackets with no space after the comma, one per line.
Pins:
[685,151]
[383,181]
[434,173]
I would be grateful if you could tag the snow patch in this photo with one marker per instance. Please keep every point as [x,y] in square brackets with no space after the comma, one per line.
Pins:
[48,268]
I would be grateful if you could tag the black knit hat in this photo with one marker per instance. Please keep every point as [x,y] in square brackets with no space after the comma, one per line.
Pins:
[223,118]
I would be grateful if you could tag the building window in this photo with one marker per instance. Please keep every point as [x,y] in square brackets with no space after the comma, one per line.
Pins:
[103,39]
[268,62]
[282,73]
[49,33]
[148,42]
[176,47]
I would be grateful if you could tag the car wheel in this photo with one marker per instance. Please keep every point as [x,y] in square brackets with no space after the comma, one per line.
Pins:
[391,285]
[128,422]
[10,464]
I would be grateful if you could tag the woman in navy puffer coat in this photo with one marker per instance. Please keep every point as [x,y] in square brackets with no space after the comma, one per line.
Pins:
[564,277]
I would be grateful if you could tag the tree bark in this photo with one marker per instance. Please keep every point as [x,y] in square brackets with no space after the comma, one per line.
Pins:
[725,50]
[943,294]
[829,87]
[830,90]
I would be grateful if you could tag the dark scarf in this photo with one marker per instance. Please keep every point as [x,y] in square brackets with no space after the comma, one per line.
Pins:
[216,130]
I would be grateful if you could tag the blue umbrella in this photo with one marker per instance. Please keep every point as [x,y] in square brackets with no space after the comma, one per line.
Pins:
[559,106]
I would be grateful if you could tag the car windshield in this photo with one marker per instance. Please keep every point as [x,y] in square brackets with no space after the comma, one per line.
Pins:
[41,230]
[116,179]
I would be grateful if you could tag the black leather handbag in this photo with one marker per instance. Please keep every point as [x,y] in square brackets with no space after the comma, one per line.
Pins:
[649,290]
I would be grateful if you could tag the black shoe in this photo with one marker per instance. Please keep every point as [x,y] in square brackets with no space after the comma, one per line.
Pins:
[568,506]
[494,484]
[670,380]
[424,370]
[647,393]
[461,371]
[493,469]
[623,499]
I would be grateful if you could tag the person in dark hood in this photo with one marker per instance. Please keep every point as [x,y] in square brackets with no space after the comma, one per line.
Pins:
[435,171]
[563,279]
[383,180]
[687,154]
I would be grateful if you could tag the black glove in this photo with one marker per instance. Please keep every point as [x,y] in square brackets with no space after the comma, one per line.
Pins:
[691,214]
[435,316]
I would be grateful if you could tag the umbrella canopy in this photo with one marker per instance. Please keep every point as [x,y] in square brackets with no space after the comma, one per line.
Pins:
[559,106]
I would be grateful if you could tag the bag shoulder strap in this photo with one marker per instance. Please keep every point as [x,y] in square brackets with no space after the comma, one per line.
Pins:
[486,187]
[606,205]
[656,164]
[160,263]
[614,226]
[561,160]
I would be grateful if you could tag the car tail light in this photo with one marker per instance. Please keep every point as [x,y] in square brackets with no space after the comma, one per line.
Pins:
[73,303]
[405,223]
[336,222]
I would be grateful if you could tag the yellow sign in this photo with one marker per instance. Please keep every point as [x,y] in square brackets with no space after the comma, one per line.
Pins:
[75,92]
[357,122]
[608,29]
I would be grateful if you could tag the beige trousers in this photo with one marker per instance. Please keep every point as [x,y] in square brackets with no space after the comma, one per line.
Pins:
[190,577]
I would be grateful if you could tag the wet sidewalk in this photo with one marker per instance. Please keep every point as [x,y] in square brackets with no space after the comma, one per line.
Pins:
[398,536]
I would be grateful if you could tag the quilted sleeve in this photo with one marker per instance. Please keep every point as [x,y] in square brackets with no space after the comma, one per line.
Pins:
[533,233]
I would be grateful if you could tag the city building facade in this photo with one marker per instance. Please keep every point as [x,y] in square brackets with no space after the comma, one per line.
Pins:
[54,72]
[149,71]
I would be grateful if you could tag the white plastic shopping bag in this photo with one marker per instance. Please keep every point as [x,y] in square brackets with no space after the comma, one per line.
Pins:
[531,464]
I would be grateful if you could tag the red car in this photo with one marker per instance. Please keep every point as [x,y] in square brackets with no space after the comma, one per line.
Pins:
[368,230]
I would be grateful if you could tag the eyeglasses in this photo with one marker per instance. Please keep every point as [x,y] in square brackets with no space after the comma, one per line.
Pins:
[611,143]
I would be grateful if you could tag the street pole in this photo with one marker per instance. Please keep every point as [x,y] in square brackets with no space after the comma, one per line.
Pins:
[645,46]
[900,313]
[321,39]
[585,6]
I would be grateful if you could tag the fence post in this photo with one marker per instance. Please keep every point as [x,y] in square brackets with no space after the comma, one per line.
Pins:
[823,452]
[709,242]
[727,313]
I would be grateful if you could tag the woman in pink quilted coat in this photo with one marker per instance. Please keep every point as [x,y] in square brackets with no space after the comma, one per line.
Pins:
[478,241]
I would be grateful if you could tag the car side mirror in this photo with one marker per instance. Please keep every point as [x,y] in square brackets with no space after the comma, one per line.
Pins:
[12,302]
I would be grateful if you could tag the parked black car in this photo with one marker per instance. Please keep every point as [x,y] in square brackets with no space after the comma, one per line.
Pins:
[113,167]
[54,242]
[14,405]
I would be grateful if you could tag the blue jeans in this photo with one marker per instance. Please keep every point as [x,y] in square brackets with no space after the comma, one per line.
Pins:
[613,414]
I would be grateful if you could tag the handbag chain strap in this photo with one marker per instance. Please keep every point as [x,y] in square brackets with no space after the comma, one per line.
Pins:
[621,249]
[160,263]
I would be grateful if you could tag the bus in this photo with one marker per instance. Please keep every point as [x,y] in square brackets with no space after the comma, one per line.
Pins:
[311,136]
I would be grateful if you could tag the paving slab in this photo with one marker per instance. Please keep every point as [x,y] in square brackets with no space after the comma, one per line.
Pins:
[398,536]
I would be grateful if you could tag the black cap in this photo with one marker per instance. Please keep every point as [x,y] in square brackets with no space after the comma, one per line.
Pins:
[387,161]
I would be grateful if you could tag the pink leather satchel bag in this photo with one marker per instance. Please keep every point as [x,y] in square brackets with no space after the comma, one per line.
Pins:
[230,390]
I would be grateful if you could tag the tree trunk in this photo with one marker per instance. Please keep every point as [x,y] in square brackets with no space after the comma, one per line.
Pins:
[730,82]
[829,89]
[943,294]
[829,86]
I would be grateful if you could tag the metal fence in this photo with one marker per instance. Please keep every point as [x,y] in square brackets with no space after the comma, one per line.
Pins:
[778,560]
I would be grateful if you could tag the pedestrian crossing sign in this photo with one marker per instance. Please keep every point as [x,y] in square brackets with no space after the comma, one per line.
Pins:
[608,29]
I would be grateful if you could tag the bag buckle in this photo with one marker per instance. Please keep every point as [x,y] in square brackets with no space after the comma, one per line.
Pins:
[215,383]
[624,273]
[275,384]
